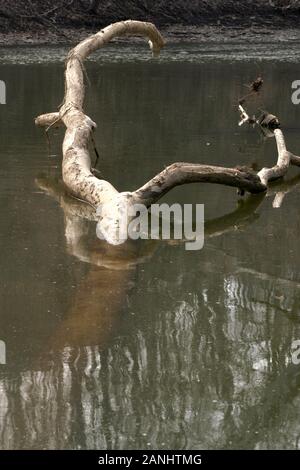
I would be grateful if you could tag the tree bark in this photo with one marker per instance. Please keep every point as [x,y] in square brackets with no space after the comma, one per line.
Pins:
[182,173]
[76,165]
[283,161]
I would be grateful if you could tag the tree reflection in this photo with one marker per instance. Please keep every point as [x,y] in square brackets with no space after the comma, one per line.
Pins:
[208,370]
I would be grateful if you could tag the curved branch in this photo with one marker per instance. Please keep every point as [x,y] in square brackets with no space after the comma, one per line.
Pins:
[270,124]
[76,167]
[182,173]
[283,161]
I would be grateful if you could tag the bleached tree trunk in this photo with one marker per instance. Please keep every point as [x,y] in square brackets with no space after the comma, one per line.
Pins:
[76,166]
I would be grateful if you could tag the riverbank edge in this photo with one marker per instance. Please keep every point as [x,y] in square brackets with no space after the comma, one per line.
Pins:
[276,31]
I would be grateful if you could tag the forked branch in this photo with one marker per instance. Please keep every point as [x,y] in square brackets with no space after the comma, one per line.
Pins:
[76,165]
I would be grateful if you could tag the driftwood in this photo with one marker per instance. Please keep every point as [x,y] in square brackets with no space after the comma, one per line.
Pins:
[76,166]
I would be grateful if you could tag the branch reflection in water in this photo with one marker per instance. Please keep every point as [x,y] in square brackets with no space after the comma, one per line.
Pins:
[203,376]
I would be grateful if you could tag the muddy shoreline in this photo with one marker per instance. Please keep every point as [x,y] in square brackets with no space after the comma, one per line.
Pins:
[271,30]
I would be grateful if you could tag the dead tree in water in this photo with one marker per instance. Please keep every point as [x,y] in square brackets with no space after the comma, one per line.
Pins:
[76,166]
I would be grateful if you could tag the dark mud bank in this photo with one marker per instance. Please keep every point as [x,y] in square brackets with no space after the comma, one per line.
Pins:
[66,21]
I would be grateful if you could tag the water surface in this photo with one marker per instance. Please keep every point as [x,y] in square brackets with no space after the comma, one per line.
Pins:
[148,345]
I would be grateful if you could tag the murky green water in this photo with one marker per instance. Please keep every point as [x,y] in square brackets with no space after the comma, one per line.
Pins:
[148,345]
